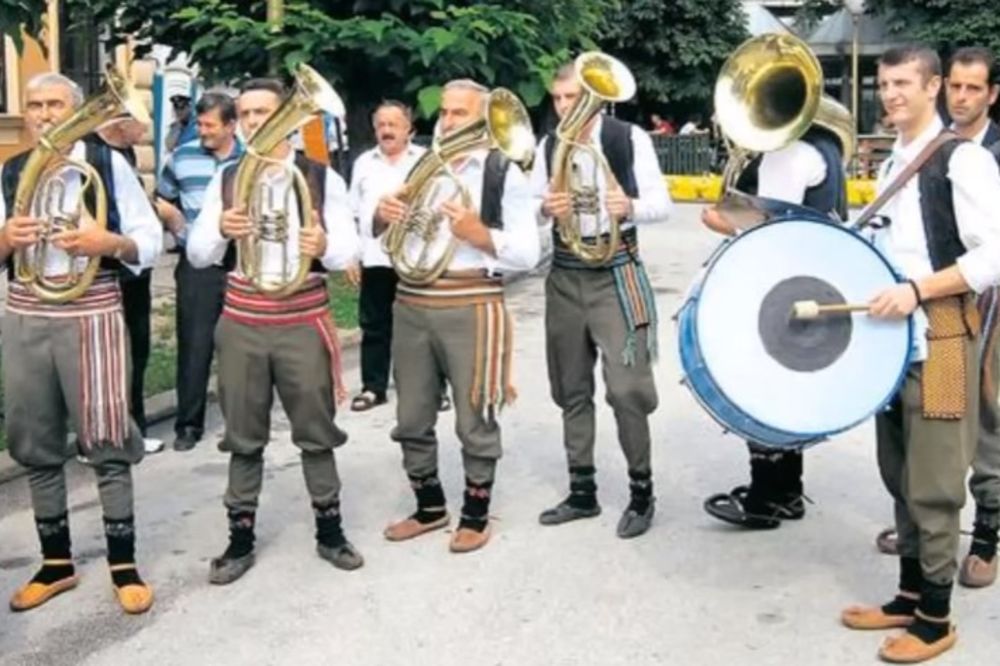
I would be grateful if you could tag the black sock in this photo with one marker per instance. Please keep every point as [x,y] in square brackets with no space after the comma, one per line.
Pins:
[476,507]
[53,534]
[430,498]
[984,539]
[641,488]
[582,488]
[933,613]
[329,532]
[120,535]
[241,536]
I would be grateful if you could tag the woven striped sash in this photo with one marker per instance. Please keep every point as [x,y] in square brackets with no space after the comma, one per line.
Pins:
[103,355]
[492,387]
[309,305]
[632,286]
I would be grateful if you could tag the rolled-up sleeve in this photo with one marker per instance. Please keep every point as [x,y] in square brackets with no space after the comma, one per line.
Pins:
[138,219]
[975,181]
[342,246]
[539,183]
[206,245]
[516,245]
[653,203]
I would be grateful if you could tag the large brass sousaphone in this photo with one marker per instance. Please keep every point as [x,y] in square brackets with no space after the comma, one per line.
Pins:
[254,192]
[505,126]
[43,185]
[602,79]
[768,94]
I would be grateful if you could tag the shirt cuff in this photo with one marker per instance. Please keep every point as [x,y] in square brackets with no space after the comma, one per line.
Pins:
[976,271]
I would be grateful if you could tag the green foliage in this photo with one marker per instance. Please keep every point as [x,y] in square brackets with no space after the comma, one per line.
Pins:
[675,47]
[343,301]
[15,14]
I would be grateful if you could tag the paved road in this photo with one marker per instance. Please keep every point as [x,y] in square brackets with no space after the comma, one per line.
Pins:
[691,591]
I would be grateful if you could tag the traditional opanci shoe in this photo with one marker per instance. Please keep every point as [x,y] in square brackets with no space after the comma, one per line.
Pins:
[33,594]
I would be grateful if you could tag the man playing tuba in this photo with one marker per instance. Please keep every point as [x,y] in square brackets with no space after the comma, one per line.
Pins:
[285,342]
[451,320]
[64,349]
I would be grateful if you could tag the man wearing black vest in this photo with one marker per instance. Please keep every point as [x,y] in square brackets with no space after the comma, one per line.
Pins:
[288,344]
[608,309]
[944,237]
[807,172]
[65,365]
[458,326]
[971,89]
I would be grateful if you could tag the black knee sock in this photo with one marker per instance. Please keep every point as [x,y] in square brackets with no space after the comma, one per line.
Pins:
[933,613]
[53,535]
[241,535]
[476,507]
[329,532]
[430,498]
[641,489]
[765,477]
[984,536]
[120,535]
[582,488]
[910,581]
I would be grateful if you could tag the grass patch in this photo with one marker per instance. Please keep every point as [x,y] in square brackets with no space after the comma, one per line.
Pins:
[343,300]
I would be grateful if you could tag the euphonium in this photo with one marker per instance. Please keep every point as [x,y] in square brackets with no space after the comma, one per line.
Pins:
[41,190]
[270,218]
[505,126]
[768,94]
[602,79]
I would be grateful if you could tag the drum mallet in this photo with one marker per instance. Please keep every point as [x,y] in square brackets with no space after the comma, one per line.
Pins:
[813,310]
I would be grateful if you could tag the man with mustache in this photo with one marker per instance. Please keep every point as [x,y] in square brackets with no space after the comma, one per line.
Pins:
[65,364]
[378,172]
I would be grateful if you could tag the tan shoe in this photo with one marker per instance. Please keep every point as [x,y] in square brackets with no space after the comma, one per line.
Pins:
[134,599]
[908,649]
[411,527]
[32,594]
[872,618]
[465,540]
[977,572]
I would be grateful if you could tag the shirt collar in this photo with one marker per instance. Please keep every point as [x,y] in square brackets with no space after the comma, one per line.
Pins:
[236,152]
[980,135]
[909,152]
[410,151]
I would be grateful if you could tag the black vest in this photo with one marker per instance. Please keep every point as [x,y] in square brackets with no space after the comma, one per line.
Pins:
[315,174]
[831,194]
[944,245]
[98,155]
[616,144]
[494,177]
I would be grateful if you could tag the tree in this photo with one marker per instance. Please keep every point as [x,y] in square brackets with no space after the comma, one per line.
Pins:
[675,47]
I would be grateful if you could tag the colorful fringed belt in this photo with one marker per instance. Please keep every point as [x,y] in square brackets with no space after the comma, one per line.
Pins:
[309,305]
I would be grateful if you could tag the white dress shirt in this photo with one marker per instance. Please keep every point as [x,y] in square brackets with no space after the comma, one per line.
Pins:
[975,182]
[652,205]
[374,176]
[787,173]
[136,215]
[516,244]
[207,246]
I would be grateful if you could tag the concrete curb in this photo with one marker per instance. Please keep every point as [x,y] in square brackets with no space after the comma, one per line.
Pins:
[159,408]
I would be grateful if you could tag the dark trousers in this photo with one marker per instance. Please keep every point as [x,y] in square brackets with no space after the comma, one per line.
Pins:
[137,300]
[378,291]
[200,292]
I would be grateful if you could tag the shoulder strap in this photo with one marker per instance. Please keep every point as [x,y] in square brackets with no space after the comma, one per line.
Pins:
[911,170]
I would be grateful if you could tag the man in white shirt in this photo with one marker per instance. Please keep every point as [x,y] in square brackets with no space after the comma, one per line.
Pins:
[377,172]
[607,310]
[288,344]
[944,235]
[65,364]
[458,326]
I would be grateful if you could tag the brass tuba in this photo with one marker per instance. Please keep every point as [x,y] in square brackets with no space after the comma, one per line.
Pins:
[505,126]
[602,79]
[769,92]
[41,189]
[310,95]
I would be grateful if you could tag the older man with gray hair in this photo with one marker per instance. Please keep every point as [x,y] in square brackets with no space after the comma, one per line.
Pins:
[68,360]
[457,326]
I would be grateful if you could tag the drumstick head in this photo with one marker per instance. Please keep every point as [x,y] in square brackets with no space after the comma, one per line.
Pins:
[803,345]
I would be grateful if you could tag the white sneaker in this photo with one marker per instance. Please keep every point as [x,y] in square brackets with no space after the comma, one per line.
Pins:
[153,445]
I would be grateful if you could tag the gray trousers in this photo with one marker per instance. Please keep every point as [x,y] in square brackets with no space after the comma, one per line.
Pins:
[984,484]
[428,343]
[923,463]
[42,403]
[253,362]
[582,317]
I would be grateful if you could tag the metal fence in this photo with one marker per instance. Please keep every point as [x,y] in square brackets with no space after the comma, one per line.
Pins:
[691,155]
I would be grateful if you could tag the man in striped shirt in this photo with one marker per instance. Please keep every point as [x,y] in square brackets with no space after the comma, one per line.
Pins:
[181,190]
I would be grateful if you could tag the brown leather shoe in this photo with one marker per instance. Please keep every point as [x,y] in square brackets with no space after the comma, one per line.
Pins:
[873,617]
[136,598]
[411,527]
[908,649]
[977,572]
[32,594]
[465,540]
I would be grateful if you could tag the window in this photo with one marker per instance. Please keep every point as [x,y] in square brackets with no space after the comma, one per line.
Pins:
[3,76]
[82,57]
